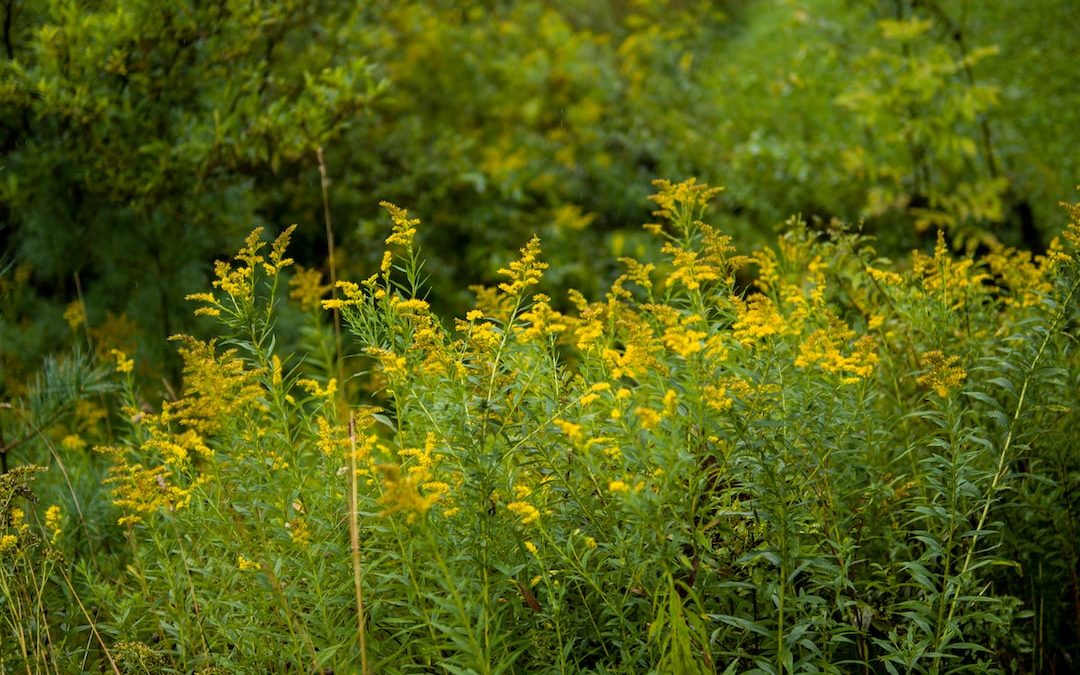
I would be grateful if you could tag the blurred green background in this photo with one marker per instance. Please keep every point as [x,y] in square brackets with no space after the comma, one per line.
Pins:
[141,139]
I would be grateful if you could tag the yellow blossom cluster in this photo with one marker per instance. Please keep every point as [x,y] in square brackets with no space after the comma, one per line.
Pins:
[307,289]
[238,282]
[404,227]
[75,314]
[541,320]
[952,281]
[412,489]
[142,491]
[685,200]
[123,363]
[825,349]
[525,511]
[942,373]
[756,319]
[216,387]
[524,272]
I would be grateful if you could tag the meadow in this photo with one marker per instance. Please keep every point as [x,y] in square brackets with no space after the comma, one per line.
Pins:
[564,403]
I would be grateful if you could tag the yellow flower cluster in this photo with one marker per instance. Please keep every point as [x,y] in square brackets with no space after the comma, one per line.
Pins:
[952,281]
[404,227]
[216,387]
[541,320]
[525,511]
[416,490]
[75,314]
[524,272]
[756,319]
[123,363]
[307,289]
[141,491]
[942,374]
[825,348]
[54,523]
[682,200]
[238,283]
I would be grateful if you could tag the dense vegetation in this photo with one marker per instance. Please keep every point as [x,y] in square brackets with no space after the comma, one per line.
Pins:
[525,434]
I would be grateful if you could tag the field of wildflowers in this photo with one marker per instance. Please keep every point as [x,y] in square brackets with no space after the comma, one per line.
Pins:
[804,458]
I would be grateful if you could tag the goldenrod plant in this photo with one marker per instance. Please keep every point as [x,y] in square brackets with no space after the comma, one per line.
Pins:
[805,458]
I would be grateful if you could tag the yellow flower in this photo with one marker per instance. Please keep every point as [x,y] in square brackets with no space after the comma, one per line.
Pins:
[404,227]
[245,564]
[527,512]
[7,543]
[942,372]
[648,417]
[73,442]
[278,261]
[315,389]
[590,542]
[306,288]
[618,486]
[531,547]
[298,531]
[756,318]
[123,363]
[572,430]
[75,314]
[53,523]
[524,272]
[401,492]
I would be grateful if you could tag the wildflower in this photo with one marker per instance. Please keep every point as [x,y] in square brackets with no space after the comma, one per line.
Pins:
[404,227]
[524,272]
[527,512]
[683,341]
[306,288]
[7,543]
[618,486]
[75,314]
[123,363]
[245,564]
[541,319]
[298,531]
[572,430]
[689,270]
[687,198]
[53,523]
[328,438]
[315,389]
[401,492]
[278,261]
[142,491]
[637,273]
[942,372]
[588,333]
[590,542]
[885,277]
[647,417]
[825,348]
[531,547]
[756,318]
[410,306]
[217,387]
[73,442]
[671,399]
